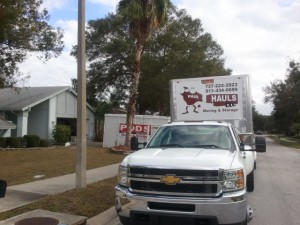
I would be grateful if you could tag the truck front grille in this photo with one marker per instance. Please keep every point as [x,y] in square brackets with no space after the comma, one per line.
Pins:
[154,171]
[178,188]
[201,183]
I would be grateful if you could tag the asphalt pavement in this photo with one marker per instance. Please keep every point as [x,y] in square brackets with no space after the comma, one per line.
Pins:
[23,194]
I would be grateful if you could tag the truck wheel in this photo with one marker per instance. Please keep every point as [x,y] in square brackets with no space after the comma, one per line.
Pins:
[250,181]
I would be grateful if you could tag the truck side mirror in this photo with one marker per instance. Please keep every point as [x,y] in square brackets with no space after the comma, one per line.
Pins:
[260,144]
[245,147]
[3,185]
[242,146]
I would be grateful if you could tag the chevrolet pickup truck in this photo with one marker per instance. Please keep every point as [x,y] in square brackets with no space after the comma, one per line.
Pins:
[190,172]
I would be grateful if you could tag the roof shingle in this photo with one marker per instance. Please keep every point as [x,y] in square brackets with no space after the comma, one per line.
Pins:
[27,97]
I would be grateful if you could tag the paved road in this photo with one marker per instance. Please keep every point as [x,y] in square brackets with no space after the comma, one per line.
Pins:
[276,198]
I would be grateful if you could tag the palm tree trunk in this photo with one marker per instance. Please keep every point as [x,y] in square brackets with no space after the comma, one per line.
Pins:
[131,109]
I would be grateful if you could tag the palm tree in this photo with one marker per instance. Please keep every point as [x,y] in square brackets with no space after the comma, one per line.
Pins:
[144,17]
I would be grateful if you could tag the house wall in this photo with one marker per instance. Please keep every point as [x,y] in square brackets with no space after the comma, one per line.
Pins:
[38,120]
[90,124]
[13,117]
[66,107]
[5,132]
[52,116]
[42,117]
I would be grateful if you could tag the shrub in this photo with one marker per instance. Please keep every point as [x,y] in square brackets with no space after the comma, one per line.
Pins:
[32,141]
[2,142]
[44,143]
[61,134]
[14,142]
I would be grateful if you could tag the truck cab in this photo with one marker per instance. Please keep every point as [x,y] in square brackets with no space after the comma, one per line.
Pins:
[191,171]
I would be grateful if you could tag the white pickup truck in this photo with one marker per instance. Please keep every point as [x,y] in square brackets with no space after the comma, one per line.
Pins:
[191,172]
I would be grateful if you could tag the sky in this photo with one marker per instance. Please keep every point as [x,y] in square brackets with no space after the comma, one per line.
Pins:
[259,37]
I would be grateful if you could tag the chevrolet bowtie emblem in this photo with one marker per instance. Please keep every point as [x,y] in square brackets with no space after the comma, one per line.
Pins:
[170,179]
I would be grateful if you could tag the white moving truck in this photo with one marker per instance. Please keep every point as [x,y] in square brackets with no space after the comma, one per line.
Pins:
[226,98]
[194,171]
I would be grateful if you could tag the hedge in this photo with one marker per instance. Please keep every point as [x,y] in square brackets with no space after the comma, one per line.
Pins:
[32,141]
[14,142]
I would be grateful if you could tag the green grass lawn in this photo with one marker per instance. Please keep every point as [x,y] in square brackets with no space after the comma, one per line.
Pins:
[89,201]
[19,166]
[286,141]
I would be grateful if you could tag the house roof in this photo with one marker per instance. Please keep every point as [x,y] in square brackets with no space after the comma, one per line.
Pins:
[4,124]
[25,98]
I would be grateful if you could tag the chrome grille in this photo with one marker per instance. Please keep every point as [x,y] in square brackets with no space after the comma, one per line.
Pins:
[201,183]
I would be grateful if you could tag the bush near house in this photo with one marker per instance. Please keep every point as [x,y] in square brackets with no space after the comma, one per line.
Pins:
[2,142]
[61,134]
[14,142]
[44,143]
[28,141]
[32,141]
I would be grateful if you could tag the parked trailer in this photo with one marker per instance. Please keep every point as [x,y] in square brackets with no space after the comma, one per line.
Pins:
[144,126]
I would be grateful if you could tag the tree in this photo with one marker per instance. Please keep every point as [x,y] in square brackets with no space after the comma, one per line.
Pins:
[24,29]
[261,122]
[110,56]
[144,17]
[181,49]
[296,128]
[285,96]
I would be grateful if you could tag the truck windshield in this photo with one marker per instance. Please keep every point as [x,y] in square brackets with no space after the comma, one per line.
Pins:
[193,136]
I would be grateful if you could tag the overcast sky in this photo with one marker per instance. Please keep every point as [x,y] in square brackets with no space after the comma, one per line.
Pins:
[259,37]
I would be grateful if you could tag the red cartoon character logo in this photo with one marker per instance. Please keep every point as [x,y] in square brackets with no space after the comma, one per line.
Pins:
[191,97]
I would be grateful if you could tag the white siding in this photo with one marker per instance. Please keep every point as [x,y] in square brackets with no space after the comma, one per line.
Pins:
[66,105]
[52,116]
[38,120]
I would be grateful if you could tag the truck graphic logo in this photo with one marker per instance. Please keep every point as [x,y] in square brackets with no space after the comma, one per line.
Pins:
[191,97]
[208,81]
[227,100]
[170,179]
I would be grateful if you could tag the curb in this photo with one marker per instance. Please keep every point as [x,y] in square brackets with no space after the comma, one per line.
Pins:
[120,151]
[103,218]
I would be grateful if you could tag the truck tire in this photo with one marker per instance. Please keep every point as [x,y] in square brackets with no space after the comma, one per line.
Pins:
[250,181]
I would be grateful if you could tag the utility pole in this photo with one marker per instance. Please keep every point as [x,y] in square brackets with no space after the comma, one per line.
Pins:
[81,102]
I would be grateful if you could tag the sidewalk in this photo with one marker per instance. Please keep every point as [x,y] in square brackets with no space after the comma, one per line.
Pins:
[23,194]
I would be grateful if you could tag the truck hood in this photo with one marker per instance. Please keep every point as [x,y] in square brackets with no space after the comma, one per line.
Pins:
[185,158]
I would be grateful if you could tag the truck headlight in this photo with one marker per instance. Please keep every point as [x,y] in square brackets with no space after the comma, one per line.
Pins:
[233,180]
[123,176]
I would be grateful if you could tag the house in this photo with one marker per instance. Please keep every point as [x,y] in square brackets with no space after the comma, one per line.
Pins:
[35,110]
[6,127]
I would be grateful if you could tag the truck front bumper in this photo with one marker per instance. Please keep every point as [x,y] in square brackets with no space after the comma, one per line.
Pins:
[230,208]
